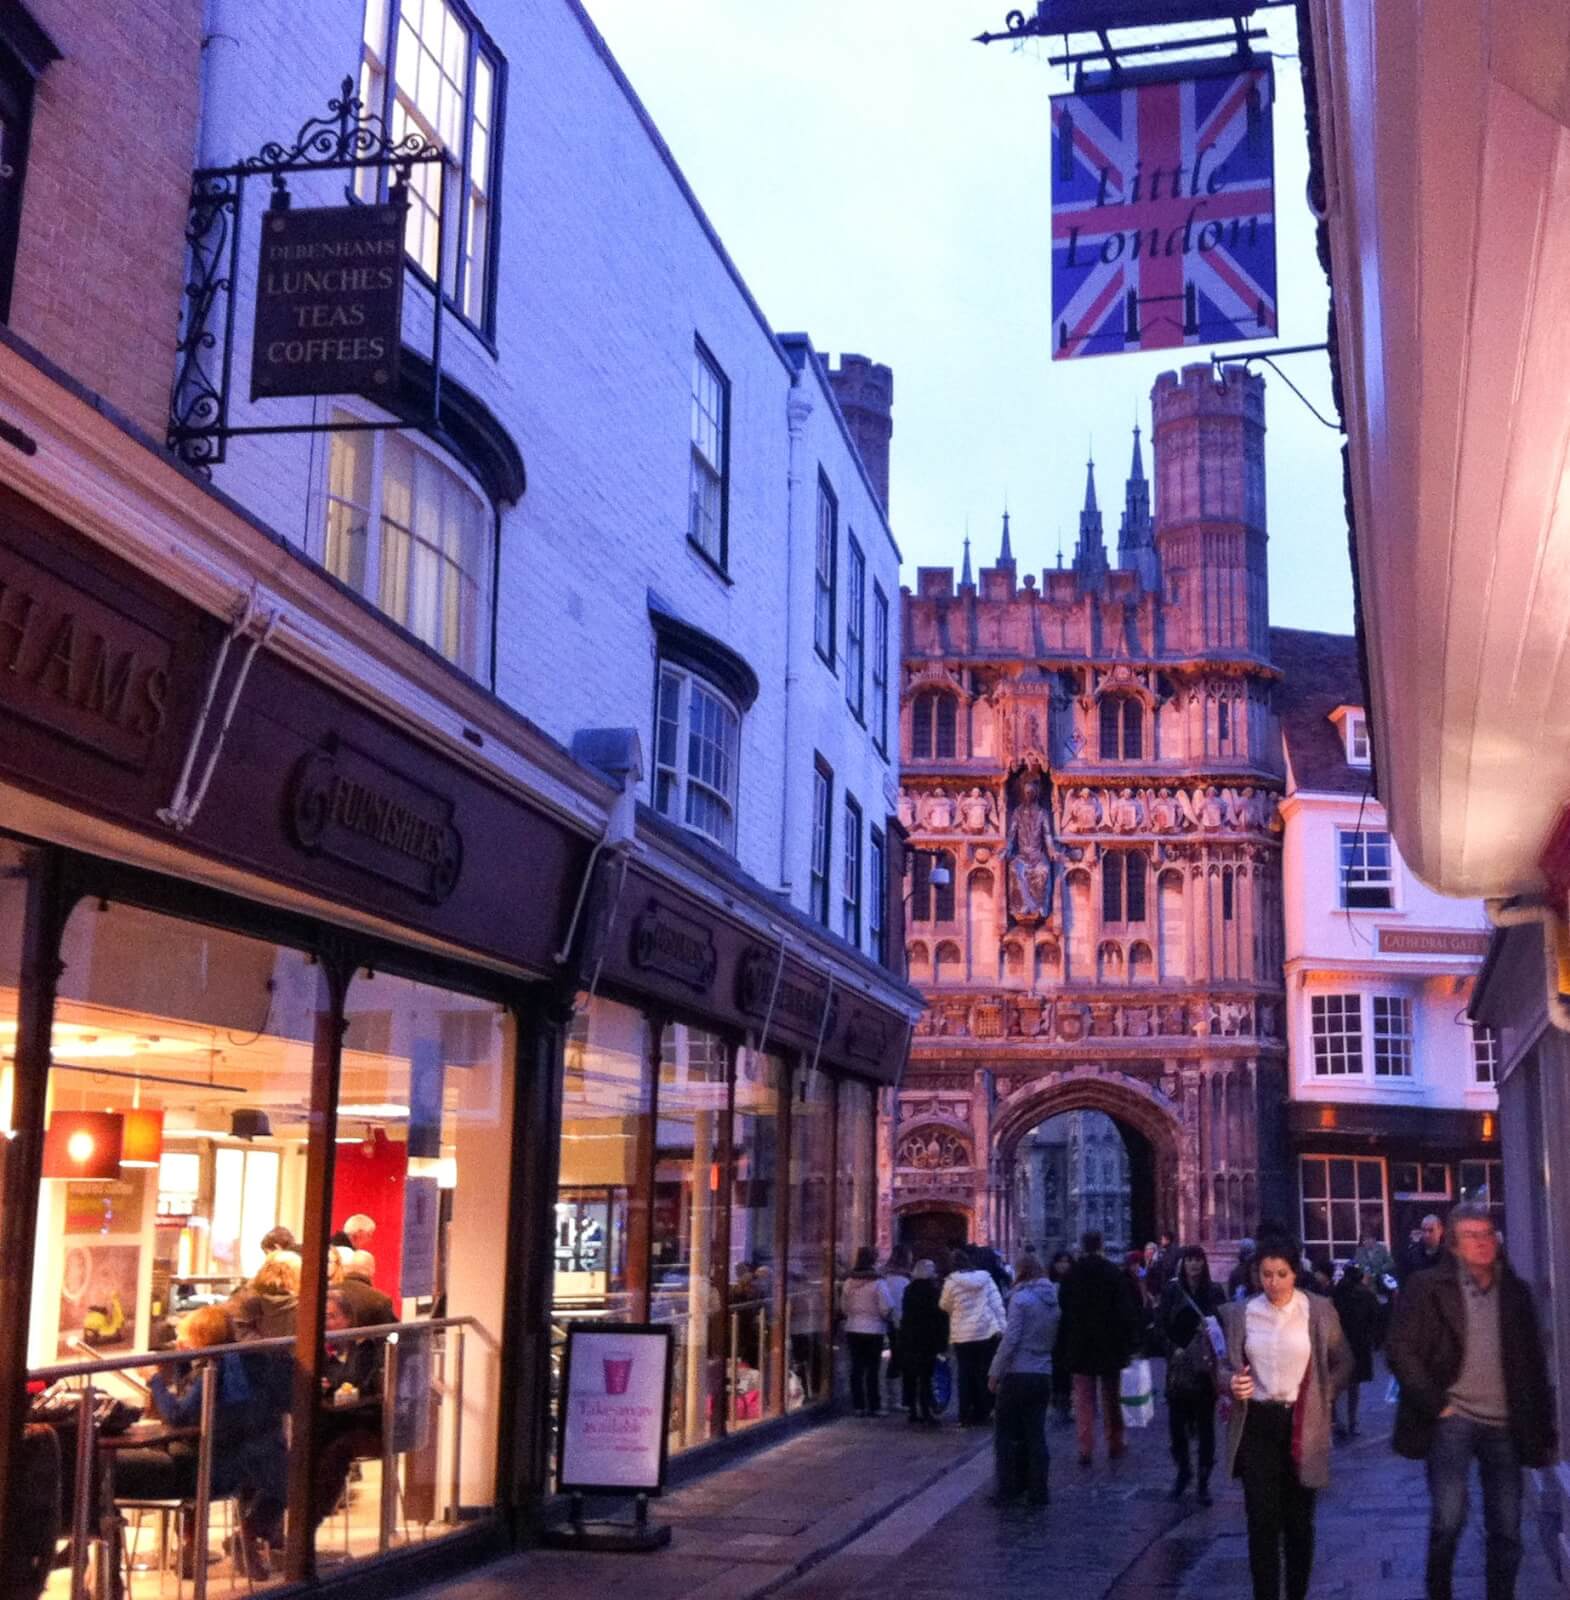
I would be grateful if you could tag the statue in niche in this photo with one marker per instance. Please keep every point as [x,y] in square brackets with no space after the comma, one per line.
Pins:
[1211,808]
[1032,856]
[1163,811]
[974,812]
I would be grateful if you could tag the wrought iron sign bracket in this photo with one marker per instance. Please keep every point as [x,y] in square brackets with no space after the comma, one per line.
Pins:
[347,139]
[1269,357]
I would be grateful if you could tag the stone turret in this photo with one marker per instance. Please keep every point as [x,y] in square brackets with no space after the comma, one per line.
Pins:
[865,392]
[1210,510]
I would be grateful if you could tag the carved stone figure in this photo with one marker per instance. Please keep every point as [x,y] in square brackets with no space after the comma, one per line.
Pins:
[973,811]
[1127,812]
[1211,808]
[1082,813]
[937,812]
[1163,811]
[907,809]
[1033,857]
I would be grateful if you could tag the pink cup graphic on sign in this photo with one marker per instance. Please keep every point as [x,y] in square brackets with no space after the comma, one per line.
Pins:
[618,1372]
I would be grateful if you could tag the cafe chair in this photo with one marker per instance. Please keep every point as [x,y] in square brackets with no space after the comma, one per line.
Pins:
[174,1510]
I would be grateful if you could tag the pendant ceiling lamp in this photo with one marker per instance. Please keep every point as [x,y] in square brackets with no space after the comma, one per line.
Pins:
[84,1144]
[143,1141]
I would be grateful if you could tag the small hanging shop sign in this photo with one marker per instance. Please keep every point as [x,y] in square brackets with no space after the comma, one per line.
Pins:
[1163,212]
[329,302]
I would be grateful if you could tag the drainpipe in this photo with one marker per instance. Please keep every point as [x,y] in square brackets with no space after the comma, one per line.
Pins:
[1518,913]
[219,80]
[798,407]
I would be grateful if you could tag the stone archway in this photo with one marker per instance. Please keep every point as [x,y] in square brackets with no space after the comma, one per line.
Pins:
[1153,1134]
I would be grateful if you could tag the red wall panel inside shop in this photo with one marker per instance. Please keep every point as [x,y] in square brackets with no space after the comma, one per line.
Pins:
[369,1177]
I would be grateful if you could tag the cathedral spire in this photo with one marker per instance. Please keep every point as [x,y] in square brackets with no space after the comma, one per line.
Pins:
[1137,535]
[1006,554]
[1090,554]
[964,571]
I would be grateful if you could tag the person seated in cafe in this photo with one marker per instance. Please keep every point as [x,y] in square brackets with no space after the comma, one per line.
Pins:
[249,1455]
[357,1232]
[279,1239]
[351,1420]
[268,1308]
[371,1308]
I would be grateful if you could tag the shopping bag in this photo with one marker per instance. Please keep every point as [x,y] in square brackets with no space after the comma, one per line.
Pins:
[942,1384]
[1137,1393]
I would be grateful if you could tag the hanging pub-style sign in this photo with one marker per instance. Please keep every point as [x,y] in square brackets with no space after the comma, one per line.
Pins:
[329,302]
[1163,211]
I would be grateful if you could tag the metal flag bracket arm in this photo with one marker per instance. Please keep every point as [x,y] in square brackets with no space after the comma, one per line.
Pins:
[1242,359]
[185,803]
[347,139]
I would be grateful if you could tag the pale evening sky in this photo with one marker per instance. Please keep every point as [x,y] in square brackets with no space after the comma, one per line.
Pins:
[882,183]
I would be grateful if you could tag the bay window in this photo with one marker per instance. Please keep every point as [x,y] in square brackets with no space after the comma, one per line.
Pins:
[405,529]
[696,755]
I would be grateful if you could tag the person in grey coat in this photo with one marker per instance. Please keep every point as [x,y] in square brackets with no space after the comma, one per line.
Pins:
[1021,1378]
[1287,1360]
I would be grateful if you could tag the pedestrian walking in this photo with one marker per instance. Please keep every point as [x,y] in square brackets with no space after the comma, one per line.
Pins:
[1021,1378]
[1286,1361]
[1359,1313]
[1159,1271]
[1466,1348]
[924,1336]
[1379,1272]
[976,1319]
[1188,1303]
[1240,1281]
[864,1301]
[1101,1316]
[1425,1249]
[896,1279]
[1062,1378]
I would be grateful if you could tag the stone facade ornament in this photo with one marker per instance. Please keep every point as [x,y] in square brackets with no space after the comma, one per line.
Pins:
[1032,855]
[975,812]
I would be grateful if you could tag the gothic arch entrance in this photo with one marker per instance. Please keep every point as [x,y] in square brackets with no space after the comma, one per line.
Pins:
[1150,1133]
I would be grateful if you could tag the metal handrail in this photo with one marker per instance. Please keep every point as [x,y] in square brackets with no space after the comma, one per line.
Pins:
[205,1357]
[177,1357]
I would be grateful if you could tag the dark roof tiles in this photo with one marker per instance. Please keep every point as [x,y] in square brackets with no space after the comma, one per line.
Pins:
[1319,673]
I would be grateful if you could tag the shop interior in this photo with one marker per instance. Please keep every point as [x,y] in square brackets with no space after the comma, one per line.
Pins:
[179,1106]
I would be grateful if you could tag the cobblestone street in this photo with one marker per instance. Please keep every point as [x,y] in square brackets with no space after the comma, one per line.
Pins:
[855,1510]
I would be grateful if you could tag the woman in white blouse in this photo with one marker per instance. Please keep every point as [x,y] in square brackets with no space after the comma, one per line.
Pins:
[1287,1359]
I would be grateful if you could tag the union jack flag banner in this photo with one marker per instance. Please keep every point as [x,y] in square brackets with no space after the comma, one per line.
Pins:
[1163,214]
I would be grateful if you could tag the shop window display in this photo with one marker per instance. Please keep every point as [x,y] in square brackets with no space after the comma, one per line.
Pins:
[809,1274]
[687,1246]
[756,1220]
[602,1202]
[423,1153]
[180,1054]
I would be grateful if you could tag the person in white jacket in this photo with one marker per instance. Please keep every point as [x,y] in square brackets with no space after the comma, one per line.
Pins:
[976,1322]
[865,1302]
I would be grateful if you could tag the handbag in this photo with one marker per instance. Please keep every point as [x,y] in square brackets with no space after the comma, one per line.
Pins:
[1193,1368]
[1136,1394]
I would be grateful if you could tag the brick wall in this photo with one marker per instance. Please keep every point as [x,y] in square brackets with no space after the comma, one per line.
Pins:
[99,267]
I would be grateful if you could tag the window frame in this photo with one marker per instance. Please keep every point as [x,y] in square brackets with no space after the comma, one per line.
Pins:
[1392,1044]
[458,170]
[851,873]
[693,681]
[1356,737]
[1485,1056]
[880,669]
[877,895]
[1120,734]
[1338,1041]
[825,598]
[1330,1199]
[378,441]
[822,845]
[1354,874]
[855,626]
[703,357]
